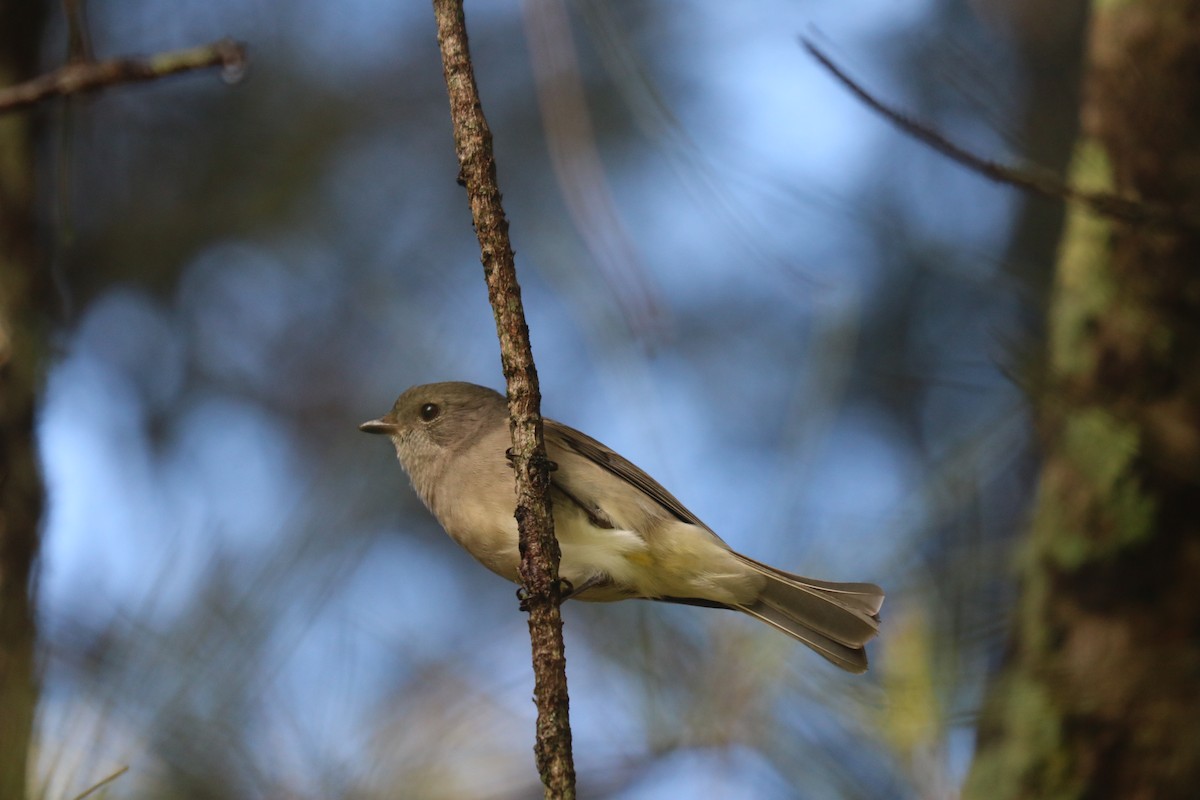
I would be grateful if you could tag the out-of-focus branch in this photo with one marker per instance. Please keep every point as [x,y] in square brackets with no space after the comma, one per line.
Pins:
[25,308]
[539,548]
[1039,182]
[24,305]
[88,76]
[91,790]
[574,155]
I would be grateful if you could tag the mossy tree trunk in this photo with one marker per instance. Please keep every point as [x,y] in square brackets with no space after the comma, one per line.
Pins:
[1100,695]
[22,308]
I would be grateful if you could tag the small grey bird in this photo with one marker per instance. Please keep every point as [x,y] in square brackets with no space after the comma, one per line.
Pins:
[621,534]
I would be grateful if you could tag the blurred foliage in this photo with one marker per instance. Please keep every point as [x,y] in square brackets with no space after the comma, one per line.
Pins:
[797,320]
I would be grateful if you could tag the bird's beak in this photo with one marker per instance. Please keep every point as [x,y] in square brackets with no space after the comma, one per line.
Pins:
[380,425]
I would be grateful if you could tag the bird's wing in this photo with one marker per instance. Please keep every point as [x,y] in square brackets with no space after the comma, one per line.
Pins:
[563,440]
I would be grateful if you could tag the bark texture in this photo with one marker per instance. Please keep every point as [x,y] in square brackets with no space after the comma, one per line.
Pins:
[1100,694]
[539,548]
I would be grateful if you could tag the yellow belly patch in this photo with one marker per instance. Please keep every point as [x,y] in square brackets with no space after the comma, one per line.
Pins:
[641,559]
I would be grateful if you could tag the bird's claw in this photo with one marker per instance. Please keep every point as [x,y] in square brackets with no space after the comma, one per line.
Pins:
[566,590]
[551,466]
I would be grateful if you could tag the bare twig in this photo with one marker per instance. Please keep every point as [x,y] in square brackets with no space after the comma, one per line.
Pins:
[101,784]
[1039,182]
[87,76]
[539,548]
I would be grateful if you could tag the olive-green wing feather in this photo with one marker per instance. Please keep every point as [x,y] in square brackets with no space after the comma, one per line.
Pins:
[562,436]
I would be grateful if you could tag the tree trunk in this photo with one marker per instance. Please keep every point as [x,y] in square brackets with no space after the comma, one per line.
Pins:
[1100,695]
[21,306]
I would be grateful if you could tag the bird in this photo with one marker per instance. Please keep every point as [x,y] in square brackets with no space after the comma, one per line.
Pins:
[620,533]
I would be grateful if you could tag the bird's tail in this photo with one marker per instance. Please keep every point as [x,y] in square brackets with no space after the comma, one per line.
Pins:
[835,619]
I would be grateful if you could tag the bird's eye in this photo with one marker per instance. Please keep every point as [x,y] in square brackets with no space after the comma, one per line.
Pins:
[429,412]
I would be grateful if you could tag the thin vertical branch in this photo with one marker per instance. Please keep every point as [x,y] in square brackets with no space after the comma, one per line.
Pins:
[539,548]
